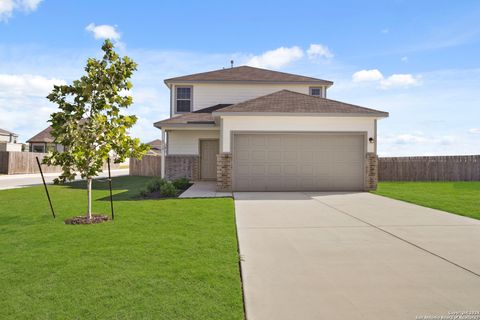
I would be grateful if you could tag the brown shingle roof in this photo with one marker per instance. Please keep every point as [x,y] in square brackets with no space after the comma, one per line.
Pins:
[43,136]
[7,133]
[287,101]
[156,144]
[248,74]
[187,118]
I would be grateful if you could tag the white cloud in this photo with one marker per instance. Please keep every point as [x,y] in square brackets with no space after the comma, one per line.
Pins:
[474,130]
[404,59]
[367,75]
[393,81]
[103,31]
[276,58]
[399,80]
[7,7]
[319,51]
[418,138]
[385,30]
[23,105]
[25,85]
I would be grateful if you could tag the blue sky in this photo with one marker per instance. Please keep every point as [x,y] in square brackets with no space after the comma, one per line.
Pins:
[418,60]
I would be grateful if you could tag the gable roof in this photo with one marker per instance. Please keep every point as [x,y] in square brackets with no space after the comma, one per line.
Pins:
[7,133]
[286,101]
[248,74]
[42,136]
[156,144]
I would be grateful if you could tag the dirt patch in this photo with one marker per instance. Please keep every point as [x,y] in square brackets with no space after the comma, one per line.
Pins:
[96,218]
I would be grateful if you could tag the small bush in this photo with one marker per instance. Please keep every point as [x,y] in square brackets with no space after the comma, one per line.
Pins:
[155,185]
[181,183]
[143,193]
[168,189]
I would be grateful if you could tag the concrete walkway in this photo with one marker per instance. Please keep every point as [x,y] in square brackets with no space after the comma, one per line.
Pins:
[25,180]
[204,189]
[354,256]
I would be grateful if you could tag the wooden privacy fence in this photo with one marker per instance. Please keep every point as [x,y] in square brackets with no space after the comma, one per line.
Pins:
[150,166]
[435,168]
[25,162]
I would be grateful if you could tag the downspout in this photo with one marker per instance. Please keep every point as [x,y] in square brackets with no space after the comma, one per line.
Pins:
[163,154]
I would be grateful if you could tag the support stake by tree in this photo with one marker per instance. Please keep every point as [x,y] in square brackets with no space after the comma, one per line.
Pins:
[90,123]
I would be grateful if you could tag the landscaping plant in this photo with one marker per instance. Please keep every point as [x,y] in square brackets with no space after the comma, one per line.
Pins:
[91,123]
[167,189]
[181,183]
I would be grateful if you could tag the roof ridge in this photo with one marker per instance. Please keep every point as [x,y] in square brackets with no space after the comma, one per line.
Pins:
[249,73]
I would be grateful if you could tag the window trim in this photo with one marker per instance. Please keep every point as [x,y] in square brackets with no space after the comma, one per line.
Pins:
[322,90]
[175,99]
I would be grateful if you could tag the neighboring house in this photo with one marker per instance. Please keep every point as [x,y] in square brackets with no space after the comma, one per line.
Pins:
[156,147]
[252,129]
[8,141]
[43,142]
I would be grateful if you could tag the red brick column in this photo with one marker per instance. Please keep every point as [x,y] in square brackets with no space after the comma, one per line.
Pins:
[224,172]
[371,171]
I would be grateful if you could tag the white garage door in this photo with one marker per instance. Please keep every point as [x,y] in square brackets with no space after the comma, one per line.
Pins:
[298,162]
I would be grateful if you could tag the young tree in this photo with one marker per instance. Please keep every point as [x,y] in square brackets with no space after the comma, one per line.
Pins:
[90,123]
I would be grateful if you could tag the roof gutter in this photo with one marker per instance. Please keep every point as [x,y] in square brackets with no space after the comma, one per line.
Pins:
[317,83]
[302,114]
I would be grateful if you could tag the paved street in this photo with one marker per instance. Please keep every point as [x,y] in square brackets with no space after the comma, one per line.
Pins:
[25,180]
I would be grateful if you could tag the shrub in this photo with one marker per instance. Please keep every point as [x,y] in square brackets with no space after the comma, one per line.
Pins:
[168,189]
[181,183]
[155,185]
[143,193]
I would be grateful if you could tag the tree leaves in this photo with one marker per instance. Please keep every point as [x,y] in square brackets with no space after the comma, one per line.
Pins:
[89,122]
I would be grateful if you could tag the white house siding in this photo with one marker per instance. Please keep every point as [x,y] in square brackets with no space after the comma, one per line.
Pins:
[210,94]
[187,141]
[5,146]
[295,124]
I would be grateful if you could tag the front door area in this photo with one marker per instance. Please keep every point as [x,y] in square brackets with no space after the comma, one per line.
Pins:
[208,159]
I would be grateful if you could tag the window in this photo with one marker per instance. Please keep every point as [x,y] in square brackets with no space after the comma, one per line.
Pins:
[316,91]
[183,96]
[38,148]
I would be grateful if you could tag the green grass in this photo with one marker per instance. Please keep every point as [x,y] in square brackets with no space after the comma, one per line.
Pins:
[159,259]
[462,198]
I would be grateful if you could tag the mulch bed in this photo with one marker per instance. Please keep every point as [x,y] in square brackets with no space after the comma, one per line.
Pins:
[96,218]
[158,195]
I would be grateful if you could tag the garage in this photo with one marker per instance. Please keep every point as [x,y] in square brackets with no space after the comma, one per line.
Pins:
[298,161]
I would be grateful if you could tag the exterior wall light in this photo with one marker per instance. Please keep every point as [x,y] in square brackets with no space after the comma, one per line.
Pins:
[371,140]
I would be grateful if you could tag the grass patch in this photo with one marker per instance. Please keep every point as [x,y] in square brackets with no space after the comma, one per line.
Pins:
[462,198]
[159,259]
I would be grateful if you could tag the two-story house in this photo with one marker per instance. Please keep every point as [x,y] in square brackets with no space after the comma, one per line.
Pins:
[252,129]
[8,141]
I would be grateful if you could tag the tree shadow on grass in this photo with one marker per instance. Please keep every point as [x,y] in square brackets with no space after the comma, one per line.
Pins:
[125,188]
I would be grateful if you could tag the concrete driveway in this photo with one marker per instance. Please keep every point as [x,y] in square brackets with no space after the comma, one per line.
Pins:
[354,256]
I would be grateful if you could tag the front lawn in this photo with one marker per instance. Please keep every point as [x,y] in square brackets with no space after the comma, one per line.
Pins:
[159,259]
[461,198]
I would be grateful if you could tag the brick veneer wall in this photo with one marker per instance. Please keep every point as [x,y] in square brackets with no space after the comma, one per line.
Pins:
[178,166]
[371,171]
[224,171]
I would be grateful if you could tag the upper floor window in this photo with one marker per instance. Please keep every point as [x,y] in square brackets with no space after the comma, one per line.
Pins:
[316,92]
[183,99]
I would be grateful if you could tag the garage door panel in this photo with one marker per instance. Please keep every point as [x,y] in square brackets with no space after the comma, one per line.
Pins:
[274,169]
[273,156]
[290,170]
[296,162]
[258,169]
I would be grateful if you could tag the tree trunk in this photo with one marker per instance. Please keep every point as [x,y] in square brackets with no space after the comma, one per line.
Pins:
[89,194]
